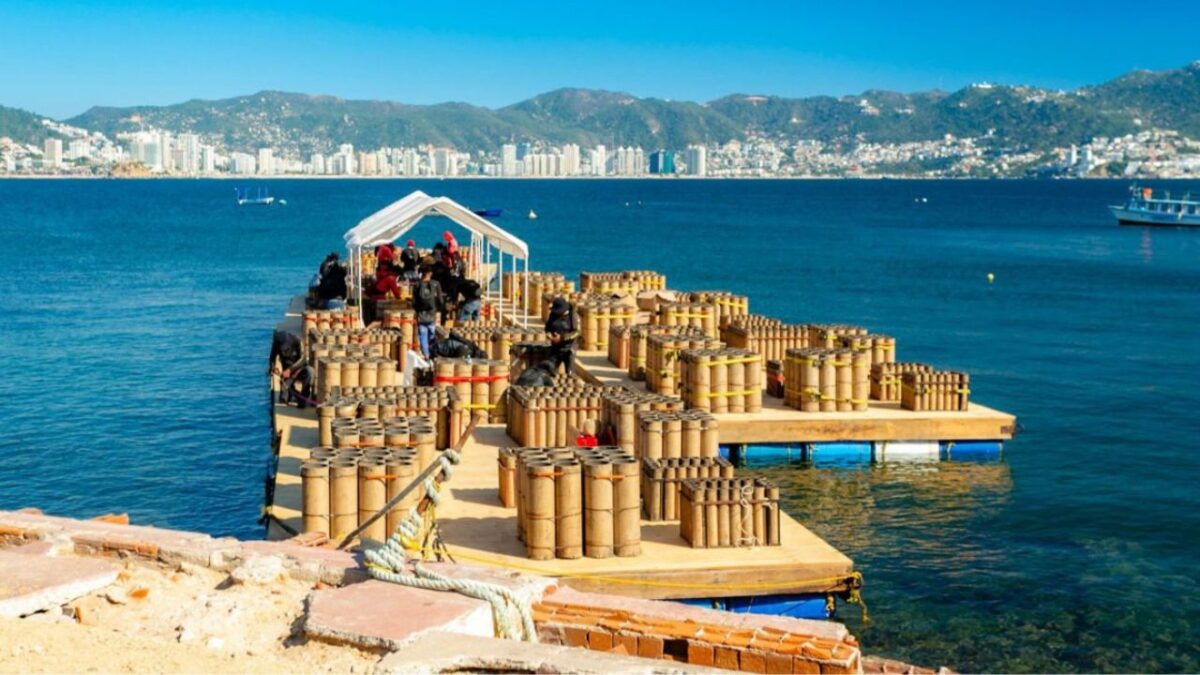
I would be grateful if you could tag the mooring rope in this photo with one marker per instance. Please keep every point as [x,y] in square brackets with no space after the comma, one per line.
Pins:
[512,615]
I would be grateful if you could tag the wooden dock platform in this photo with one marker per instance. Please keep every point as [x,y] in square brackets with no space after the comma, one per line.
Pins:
[778,423]
[479,531]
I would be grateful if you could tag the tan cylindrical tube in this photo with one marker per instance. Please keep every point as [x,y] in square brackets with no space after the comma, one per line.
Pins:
[350,373]
[773,515]
[372,495]
[507,469]
[368,373]
[735,374]
[325,415]
[710,438]
[539,534]
[598,509]
[387,372]
[719,386]
[673,437]
[828,386]
[712,524]
[861,380]
[696,515]
[330,374]
[480,390]
[343,497]
[345,437]
[425,440]
[724,526]
[314,477]
[498,386]
[760,522]
[401,471]
[653,501]
[568,509]
[692,441]
[844,380]
[652,433]
[627,522]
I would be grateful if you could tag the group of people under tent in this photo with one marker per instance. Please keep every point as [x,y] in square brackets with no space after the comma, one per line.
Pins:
[439,286]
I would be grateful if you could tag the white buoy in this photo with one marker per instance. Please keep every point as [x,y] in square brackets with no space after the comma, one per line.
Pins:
[991,277]
[532,215]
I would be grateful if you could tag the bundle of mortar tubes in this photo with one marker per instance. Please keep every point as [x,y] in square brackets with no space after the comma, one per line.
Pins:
[729,512]
[729,306]
[480,384]
[826,380]
[763,335]
[629,281]
[662,477]
[935,390]
[595,317]
[635,350]
[552,416]
[663,370]
[440,405]
[575,502]
[370,463]
[357,366]
[722,380]
[622,407]
[504,338]
[328,319]
[701,315]
[885,378]
[829,335]
[575,298]
[677,433]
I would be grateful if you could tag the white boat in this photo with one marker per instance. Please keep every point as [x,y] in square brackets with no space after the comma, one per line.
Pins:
[243,198]
[1143,208]
[532,215]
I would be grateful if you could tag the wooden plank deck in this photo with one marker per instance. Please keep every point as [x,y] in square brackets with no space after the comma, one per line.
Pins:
[479,531]
[778,423]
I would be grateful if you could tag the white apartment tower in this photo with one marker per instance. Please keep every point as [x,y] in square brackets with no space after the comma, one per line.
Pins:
[54,153]
[570,160]
[508,160]
[266,161]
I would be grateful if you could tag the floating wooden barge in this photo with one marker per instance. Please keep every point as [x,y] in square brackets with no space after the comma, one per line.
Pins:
[477,529]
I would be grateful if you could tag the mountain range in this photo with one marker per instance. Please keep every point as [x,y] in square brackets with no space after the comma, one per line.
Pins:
[1008,116]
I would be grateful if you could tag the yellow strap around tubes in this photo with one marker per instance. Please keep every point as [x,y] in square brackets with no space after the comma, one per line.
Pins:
[720,394]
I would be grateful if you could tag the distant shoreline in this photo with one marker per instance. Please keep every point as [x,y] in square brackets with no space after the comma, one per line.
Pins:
[596,178]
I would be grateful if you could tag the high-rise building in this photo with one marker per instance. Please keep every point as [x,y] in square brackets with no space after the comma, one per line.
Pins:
[79,149]
[188,152]
[367,166]
[445,162]
[697,160]
[242,163]
[522,150]
[662,163]
[316,164]
[412,162]
[54,153]
[570,160]
[208,159]
[508,159]
[600,161]
[266,161]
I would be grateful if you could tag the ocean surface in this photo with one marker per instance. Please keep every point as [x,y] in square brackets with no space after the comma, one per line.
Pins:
[137,316]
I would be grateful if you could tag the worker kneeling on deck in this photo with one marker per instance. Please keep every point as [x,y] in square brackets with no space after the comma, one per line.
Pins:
[295,374]
[563,331]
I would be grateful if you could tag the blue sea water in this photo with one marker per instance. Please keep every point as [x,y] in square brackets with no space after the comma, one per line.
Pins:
[137,318]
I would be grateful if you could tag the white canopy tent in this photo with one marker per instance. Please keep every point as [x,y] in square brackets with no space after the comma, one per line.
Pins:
[487,239]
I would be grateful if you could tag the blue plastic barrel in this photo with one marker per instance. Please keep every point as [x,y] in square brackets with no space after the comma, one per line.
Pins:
[800,606]
[840,454]
[972,451]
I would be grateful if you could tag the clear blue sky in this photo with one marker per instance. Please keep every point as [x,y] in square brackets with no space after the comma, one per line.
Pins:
[59,58]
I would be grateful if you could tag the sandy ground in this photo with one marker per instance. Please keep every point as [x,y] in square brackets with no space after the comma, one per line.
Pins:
[190,620]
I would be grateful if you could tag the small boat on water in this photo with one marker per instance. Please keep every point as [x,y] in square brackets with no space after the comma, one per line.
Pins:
[489,213]
[532,215]
[1143,208]
[262,198]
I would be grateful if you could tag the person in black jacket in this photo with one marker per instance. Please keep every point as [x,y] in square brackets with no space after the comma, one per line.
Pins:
[563,330]
[427,302]
[331,290]
[294,372]
[472,300]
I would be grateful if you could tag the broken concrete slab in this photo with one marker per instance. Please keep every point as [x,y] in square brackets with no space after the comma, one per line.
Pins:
[441,652]
[31,584]
[381,615]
